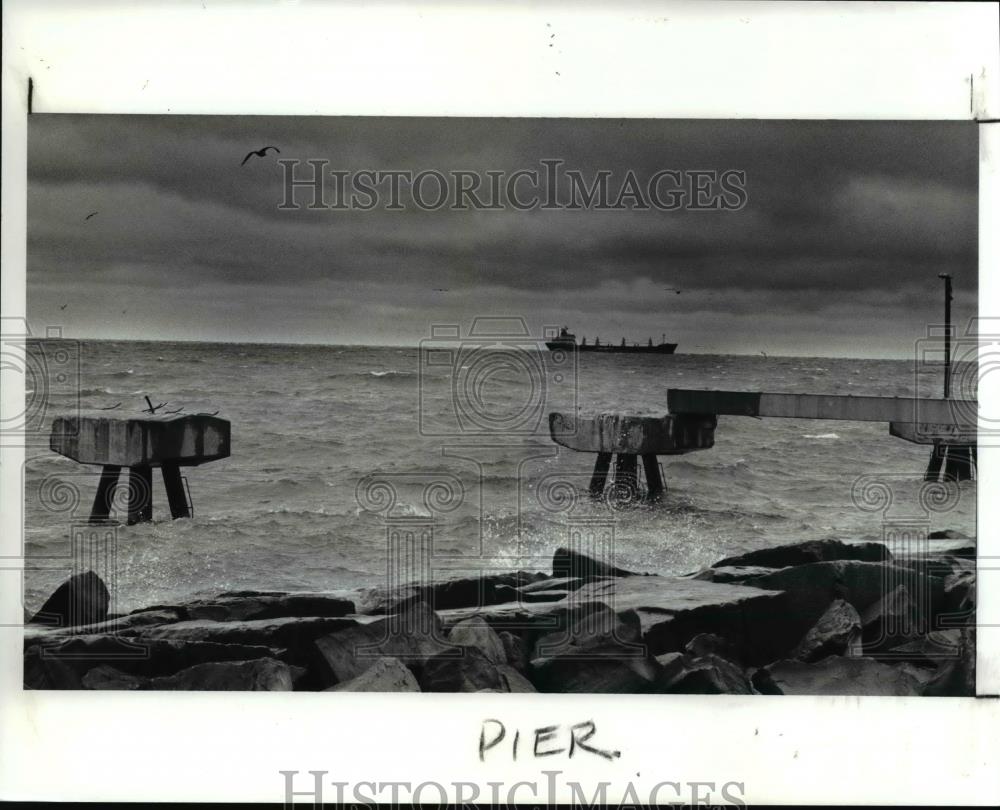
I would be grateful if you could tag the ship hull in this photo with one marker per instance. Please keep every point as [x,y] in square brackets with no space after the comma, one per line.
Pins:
[662,348]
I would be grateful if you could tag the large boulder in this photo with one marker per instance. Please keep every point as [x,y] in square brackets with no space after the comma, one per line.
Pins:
[956,677]
[810,551]
[672,610]
[960,596]
[809,589]
[733,573]
[595,649]
[554,583]
[711,644]
[385,675]
[49,672]
[931,650]
[144,657]
[515,650]
[475,632]
[413,636]
[461,592]
[256,675]
[144,618]
[837,632]
[707,674]
[248,608]
[471,671]
[512,680]
[569,563]
[81,599]
[890,621]
[296,635]
[836,676]
[109,677]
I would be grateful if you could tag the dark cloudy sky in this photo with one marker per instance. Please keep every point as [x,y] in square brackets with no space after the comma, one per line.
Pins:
[837,251]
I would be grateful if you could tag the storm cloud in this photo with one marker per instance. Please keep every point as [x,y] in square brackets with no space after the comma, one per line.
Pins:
[837,250]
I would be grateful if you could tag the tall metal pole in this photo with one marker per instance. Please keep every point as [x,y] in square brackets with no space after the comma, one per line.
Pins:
[947,333]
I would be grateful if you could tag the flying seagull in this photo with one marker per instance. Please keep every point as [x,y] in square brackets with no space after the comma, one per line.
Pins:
[262,152]
[91,214]
[64,306]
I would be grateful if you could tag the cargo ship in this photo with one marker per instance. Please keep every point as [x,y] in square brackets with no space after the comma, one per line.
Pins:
[566,341]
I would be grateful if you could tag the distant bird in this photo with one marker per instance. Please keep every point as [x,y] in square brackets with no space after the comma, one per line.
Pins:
[440,289]
[91,214]
[673,290]
[64,306]
[763,353]
[124,311]
[262,152]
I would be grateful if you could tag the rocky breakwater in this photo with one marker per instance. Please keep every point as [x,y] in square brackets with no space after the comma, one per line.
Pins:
[821,617]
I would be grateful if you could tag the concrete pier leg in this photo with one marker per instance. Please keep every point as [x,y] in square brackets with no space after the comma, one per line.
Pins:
[101,510]
[654,482]
[140,494]
[935,464]
[958,464]
[626,472]
[600,477]
[175,491]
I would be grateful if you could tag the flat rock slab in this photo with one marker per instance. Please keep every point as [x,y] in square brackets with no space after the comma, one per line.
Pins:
[458,592]
[836,676]
[185,440]
[413,637]
[809,551]
[733,573]
[144,618]
[633,435]
[147,657]
[672,610]
[385,675]
[811,588]
[292,634]
[248,608]
[258,675]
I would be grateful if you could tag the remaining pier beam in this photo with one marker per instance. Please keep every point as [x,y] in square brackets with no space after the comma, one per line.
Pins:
[960,413]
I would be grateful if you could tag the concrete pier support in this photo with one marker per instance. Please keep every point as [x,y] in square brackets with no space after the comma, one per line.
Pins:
[176,497]
[101,510]
[654,482]
[627,438]
[600,477]
[140,494]
[627,475]
[140,444]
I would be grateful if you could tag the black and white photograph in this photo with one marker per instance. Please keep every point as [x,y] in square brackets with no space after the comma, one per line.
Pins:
[451,405]
[600,397]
